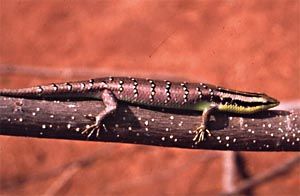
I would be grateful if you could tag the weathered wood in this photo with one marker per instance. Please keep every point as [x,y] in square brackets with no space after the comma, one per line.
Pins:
[267,131]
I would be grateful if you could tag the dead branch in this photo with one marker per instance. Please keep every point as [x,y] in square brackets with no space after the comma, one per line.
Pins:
[229,171]
[234,170]
[266,176]
[267,131]
[61,182]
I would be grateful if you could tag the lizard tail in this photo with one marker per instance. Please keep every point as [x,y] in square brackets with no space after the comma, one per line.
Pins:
[23,92]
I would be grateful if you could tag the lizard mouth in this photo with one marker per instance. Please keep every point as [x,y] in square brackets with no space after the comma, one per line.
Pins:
[272,102]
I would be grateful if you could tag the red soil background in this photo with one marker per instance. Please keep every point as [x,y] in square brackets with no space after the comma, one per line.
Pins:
[246,45]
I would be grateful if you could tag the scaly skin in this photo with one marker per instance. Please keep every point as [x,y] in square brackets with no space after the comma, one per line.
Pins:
[154,93]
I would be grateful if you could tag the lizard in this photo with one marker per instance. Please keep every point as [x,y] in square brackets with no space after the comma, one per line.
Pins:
[202,97]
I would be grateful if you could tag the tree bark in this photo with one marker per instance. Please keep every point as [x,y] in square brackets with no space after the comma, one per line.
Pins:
[272,130]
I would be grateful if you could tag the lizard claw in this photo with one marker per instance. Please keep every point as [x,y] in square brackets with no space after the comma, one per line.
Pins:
[200,134]
[91,129]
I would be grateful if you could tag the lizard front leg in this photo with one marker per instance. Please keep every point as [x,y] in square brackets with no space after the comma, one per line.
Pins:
[110,103]
[202,130]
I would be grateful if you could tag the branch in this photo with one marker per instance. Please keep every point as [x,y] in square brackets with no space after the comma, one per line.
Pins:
[61,182]
[264,177]
[267,131]
[229,170]
[234,169]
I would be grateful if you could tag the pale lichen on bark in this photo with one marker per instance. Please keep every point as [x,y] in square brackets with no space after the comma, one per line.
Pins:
[274,130]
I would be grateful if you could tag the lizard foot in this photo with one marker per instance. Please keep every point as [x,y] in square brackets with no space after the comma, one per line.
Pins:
[90,129]
[200,134]
[96,127]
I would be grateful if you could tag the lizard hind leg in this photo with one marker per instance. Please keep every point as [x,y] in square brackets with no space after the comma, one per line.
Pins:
[110,103]
[202,130]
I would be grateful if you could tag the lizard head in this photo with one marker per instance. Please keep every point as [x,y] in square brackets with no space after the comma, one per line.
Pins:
[246,103]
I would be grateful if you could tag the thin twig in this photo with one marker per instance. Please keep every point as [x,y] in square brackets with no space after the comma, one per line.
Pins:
[161,43]
[64,178]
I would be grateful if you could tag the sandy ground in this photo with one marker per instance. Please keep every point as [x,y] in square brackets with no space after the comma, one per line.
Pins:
[246,45]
